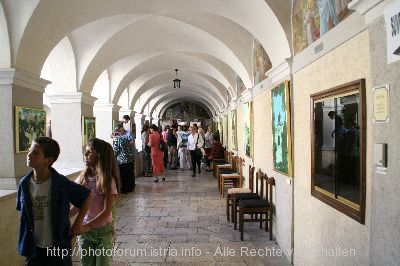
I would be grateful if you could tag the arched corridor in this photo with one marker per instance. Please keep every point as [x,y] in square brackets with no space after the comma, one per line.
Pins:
[182,221]
[307,91]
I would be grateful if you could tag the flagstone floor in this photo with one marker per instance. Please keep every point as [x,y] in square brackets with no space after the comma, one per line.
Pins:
[182,221]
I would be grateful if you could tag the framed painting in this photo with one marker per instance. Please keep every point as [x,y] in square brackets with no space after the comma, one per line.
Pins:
[225,131]
[30,123]
[240,87]
[281,135]
[233,125]
[115,124]
[248,130]
[88,129]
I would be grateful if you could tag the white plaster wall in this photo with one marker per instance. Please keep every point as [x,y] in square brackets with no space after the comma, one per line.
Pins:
[6,120]
[317,225]
[9,220]
[385,209]
[262,159]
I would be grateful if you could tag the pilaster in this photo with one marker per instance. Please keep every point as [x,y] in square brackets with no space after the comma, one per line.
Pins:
[105,114]
[67,110]
[17,88]
[138,121]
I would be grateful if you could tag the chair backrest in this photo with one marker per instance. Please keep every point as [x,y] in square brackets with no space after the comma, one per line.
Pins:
[259,183]
[239,166]
[251,177]
[269,183]
[230,158]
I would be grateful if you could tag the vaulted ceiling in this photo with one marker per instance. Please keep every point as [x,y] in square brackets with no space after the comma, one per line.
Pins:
[126,51]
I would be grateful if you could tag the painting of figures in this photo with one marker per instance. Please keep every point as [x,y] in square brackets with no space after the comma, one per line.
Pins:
[30,123]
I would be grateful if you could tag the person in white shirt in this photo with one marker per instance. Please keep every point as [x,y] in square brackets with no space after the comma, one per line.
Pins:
[195,141]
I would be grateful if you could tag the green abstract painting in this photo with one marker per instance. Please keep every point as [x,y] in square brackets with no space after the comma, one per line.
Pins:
[247,129]
[234,138]
[281,129]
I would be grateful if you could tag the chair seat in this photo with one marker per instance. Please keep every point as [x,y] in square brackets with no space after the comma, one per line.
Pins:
[254,203]
[230,175]
[226,165]
[235,190]
[226,171]
[245,196]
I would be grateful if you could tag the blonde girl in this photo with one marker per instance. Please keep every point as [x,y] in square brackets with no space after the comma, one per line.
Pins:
[101,176]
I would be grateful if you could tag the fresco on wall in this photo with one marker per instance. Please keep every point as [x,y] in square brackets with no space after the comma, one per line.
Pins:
[185,111]
[240,87]
[261,62]
[313,18]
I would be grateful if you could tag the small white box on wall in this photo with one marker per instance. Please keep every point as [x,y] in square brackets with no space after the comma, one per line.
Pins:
[380,154]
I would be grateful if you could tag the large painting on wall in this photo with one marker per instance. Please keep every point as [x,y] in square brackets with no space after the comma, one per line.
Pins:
[240,87]
[313,18]
[281,134]
[233,125]
[248,131]
[88,129]
[30,123]
[261,62]
[225,130]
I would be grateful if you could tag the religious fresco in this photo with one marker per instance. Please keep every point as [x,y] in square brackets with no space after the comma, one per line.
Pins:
[185,111]
[313,18]
[240,87]
[261,62]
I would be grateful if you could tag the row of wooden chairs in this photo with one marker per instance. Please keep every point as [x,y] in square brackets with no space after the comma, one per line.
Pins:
[253,204]
[229,173]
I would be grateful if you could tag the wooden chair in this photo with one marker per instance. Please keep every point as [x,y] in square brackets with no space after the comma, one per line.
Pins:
[226,160]
[261,208]
[255,194]
[238,190]
[226,169]
[225,164]
[235,177]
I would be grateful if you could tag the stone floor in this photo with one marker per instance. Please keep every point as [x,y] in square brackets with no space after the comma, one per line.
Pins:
[182,221]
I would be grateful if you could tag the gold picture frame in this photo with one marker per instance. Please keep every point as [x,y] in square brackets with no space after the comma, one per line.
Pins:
[30,123]
[88,129]
[281,133]
[248,128]
[233,126]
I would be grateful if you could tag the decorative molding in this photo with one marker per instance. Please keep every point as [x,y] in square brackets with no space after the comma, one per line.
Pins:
[232,105]
[246,95]
[106,107]
[71,97]
[369,9]
[13,76]
[363,6]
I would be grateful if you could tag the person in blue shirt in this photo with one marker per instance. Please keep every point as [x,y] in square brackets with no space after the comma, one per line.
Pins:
[44,197]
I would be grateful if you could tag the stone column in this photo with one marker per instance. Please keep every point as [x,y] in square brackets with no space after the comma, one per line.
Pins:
[67,112]
[129,112]
[155,121]
[105,114]
[17,88]
[138,122]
